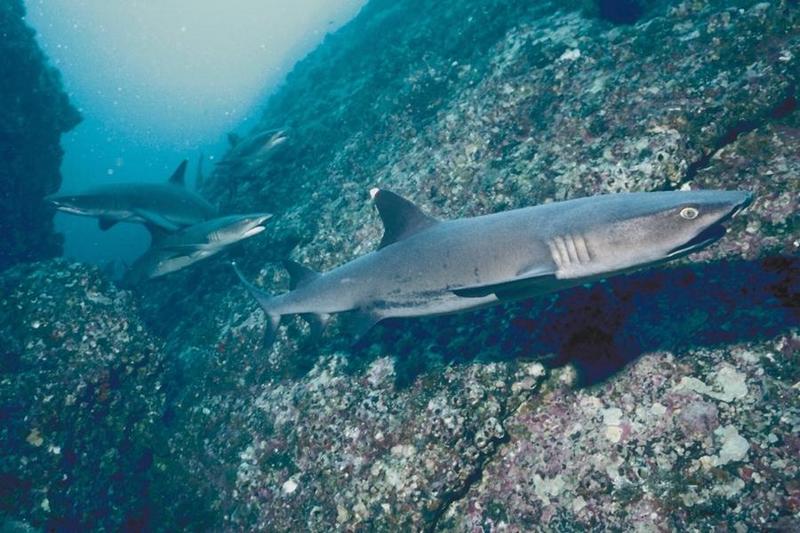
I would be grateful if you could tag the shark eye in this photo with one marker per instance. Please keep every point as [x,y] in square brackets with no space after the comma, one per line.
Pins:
[689,213]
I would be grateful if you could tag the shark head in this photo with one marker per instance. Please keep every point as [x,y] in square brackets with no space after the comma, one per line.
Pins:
[78,204]
[234,228]
[701,222]
[628,231]
[178,250]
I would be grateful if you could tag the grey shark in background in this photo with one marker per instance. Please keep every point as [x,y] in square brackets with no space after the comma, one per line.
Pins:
[173,252]
[164,207]
[248,154]
[424,266]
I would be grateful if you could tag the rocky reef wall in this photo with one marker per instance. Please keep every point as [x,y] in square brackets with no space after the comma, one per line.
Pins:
[34,112]
[668,396]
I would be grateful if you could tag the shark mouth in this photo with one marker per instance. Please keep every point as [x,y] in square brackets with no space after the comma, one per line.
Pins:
[708,236]
[66,208]
[711,234]
[253,231]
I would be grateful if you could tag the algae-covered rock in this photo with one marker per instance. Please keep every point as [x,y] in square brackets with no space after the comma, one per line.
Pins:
[80,397]
[34,112]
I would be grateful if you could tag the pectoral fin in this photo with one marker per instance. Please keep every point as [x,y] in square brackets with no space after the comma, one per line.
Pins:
[531,281]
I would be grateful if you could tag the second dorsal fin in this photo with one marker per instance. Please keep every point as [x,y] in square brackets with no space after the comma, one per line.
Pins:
[177,177]
[401,218]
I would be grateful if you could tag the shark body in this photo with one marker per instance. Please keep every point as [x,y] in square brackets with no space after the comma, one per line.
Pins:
[424,266]
[189,245]
[247,155]
[161,206]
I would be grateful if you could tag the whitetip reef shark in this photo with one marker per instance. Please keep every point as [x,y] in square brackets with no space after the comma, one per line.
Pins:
[161,206]
[175,251]
[251,152]
[424,266]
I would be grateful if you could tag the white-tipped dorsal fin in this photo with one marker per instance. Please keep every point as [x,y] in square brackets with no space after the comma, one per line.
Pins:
[178,176]
[401,218]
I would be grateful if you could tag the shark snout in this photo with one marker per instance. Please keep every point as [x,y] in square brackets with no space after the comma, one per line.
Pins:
[720,207]
[256,221]
[253,224]
[745,198]
[55,199]
[735,201]
[261,219]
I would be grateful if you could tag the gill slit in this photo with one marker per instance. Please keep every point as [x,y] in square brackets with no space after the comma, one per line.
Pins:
[570,250]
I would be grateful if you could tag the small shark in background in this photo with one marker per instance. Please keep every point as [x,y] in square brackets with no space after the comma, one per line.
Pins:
[252,152]
[164,207]
[175,251]
[425,266]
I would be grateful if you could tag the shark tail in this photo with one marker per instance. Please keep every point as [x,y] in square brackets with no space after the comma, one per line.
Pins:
[266,302]
[299,276]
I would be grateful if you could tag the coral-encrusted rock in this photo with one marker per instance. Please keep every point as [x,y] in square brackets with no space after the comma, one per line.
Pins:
[34,112]
[705,442]
[358,451]
[80,396]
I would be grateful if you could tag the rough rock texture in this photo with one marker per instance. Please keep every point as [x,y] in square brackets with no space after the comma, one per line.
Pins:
[34,112]
[80,395]
[667,396]
[697,440]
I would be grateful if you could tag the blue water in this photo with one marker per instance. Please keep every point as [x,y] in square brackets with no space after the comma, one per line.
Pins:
[158,83]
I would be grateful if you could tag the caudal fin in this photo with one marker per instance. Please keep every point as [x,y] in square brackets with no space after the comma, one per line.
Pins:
[265,301]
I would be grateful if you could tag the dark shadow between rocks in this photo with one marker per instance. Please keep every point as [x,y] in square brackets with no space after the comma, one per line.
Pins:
[603,327]
[620,11]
